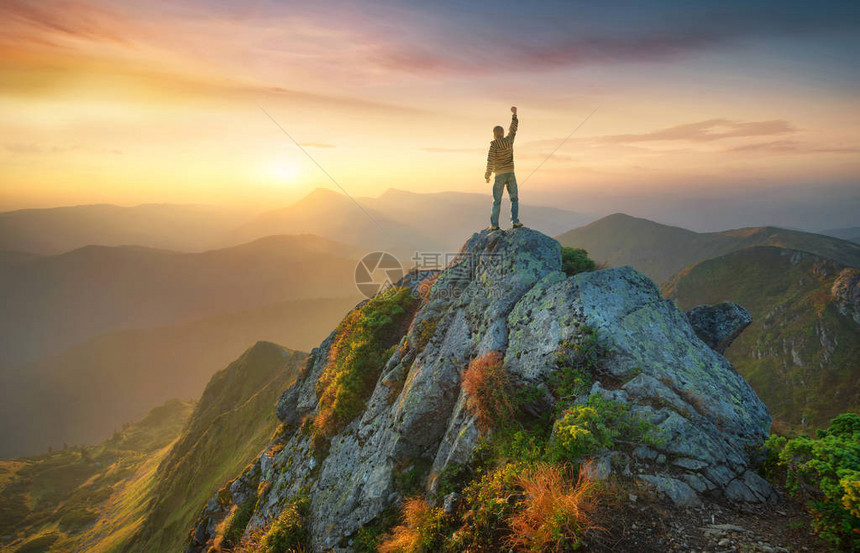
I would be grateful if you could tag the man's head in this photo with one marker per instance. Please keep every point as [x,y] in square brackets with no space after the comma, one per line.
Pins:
[498,131]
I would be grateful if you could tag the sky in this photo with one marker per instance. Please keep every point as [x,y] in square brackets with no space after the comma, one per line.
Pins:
[710,114]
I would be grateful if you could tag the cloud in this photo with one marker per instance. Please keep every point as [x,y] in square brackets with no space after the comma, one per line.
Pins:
[52,48]
[780,146]
[68,19]
[23,148]
[55,73]
[33,148]
[708,131]
[489,42]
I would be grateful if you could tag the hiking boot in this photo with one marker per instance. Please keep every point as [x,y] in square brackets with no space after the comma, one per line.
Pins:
[494,227]
[517,225]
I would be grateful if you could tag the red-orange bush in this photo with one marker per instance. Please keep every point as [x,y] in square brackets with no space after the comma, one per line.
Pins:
[556,511]
[491,391]
[422,529]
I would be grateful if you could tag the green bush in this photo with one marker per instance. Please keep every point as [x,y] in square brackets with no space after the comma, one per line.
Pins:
[576,260]
[486,499]
[588,428]
[825,472]
[288,533]
[361,347]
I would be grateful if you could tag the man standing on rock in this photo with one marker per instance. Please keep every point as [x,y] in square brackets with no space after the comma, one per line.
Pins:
[501,160]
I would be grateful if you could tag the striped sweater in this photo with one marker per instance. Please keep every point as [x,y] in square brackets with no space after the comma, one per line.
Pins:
[500,158]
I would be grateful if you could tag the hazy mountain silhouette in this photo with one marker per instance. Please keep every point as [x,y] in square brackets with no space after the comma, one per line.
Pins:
[82,394]
[660,251]
[851,234]
[54,302]
[171,226]
[406,220]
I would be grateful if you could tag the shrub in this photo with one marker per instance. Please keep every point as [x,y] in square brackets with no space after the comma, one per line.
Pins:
[576,260]
[238,521]
[825,472]
[288,533]
[421,531]
[491,391]
[598,424]
[487,499]
[555,512]
[359,351]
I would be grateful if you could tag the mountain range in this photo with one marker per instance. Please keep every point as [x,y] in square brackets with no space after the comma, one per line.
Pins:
[54,302]
[49,231]
[81,395]
[802,351]
[660,251]
[117,313]
[146,488]
[398,219]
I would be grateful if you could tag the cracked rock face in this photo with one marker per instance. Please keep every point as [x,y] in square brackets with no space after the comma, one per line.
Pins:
[505,292]
[846,292]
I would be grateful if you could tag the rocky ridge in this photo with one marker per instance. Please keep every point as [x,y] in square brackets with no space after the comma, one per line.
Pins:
[506,292]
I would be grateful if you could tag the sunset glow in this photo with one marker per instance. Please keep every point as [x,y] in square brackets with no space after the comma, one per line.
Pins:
[158,102]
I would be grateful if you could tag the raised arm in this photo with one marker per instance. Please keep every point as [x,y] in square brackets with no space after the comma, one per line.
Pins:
[512,131]
[491,158]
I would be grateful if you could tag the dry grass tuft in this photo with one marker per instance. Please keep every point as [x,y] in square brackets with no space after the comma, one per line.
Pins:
[420,531]
[490,390]
[556,511]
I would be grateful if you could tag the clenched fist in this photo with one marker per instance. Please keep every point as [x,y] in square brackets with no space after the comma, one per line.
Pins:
[514,110]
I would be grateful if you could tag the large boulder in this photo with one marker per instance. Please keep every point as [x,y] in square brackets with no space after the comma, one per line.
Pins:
[719,325]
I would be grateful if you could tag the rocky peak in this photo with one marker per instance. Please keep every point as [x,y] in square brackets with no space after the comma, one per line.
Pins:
[506,293]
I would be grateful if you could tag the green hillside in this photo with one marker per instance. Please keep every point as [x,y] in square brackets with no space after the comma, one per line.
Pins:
[660,251]
[233,421]
[57,501]
[140,490]
[800,354]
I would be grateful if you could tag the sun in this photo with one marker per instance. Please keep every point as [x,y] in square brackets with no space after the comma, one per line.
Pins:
[283,170]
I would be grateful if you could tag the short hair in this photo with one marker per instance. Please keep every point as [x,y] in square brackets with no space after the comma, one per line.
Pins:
[498,129]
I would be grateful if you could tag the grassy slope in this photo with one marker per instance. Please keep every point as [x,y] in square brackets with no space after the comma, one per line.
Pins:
[660,251]
[140,490]
[116,377]
[233,422]
[784,354]
[55,498]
